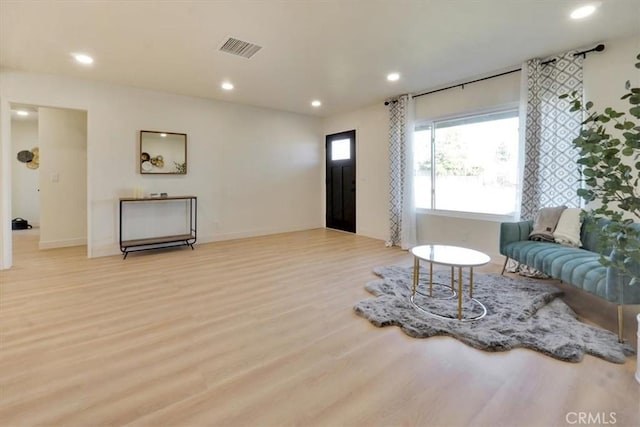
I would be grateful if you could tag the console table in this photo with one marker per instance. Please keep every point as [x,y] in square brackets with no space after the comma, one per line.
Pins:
[160,239]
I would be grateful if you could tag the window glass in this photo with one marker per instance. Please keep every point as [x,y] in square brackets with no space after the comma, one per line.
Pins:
[474,162]
[341,149]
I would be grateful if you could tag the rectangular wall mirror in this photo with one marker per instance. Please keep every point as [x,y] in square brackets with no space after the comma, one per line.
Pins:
[163,152]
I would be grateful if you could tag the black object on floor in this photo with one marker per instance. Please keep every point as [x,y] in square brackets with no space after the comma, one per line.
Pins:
[20,224]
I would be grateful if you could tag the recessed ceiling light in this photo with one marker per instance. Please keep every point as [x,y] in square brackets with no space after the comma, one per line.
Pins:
[583,12]
[316,103]
[393,77]
[22,113]
[163,135]
[83,59]
[227,86]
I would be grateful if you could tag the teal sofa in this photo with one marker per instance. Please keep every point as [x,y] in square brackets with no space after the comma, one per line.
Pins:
[577,266]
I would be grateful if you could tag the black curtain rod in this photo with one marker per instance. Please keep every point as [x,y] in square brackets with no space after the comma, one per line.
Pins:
[466,83]
[598,48]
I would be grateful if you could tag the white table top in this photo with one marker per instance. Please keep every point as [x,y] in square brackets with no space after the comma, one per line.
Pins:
[451,255]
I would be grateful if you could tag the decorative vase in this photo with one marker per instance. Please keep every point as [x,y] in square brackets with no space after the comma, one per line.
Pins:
[138,193]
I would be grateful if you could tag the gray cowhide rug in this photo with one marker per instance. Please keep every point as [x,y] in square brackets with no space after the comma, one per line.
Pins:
[521,313]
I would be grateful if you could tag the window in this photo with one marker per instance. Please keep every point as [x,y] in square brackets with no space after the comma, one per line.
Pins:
[341,149]
[468,164]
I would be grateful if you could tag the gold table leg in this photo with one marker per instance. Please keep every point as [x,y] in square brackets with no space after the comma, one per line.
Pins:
[470,282]
[620,324]
[459,293]
[416,272]
[430,279]
[452,276]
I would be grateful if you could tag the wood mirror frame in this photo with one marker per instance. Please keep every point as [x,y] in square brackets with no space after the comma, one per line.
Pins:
[163,153]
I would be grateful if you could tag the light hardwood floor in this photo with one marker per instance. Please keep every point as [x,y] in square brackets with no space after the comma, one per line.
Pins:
[260,332]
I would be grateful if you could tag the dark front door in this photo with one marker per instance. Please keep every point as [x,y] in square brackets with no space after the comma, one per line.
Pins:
[341,181]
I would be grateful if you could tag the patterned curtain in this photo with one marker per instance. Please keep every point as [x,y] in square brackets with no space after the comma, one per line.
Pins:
[551,174]
[402,213]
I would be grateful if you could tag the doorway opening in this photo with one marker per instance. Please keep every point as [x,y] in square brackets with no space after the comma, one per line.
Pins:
[48,178]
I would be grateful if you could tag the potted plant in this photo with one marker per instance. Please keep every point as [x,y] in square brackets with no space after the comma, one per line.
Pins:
[609,156]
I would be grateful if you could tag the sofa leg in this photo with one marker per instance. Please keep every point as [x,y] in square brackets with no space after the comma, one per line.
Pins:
[506,260]
[620,324]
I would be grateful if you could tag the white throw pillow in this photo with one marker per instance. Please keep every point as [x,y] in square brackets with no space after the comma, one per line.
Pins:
[567,231]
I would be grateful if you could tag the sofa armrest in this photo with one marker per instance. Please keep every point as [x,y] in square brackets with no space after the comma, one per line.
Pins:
[514,232]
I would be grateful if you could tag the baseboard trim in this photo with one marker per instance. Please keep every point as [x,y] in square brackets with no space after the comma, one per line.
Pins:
[53,244]
[114,249]
[254,233]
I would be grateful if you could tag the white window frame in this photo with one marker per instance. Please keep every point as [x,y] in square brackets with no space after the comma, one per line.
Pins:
[515,106]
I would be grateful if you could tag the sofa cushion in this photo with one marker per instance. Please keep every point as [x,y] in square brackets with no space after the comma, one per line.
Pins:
[567,231]
[545,222]
[576,266]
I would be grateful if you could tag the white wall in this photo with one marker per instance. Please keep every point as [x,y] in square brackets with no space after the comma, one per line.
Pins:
[62,134]
[254,170]
[604,76]
[25,200]
[605,73]
[372,167]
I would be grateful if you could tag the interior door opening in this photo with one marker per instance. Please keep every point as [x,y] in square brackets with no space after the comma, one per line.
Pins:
[48,179]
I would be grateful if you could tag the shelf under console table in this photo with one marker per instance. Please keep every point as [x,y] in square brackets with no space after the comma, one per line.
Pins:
[181,232]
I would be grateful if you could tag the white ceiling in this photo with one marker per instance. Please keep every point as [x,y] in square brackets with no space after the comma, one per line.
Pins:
[338,51]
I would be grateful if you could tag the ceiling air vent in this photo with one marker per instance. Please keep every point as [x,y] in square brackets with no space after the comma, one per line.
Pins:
[240,48]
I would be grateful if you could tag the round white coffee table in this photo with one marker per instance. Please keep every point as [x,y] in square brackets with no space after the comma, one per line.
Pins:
[452,256]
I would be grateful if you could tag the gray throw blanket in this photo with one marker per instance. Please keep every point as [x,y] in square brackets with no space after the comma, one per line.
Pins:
[545,223]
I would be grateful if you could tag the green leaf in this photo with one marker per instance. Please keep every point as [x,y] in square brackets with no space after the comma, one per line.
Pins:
[613,161]
[634,99]
[589,105]
[627,151]
[585,194]
[586,161]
